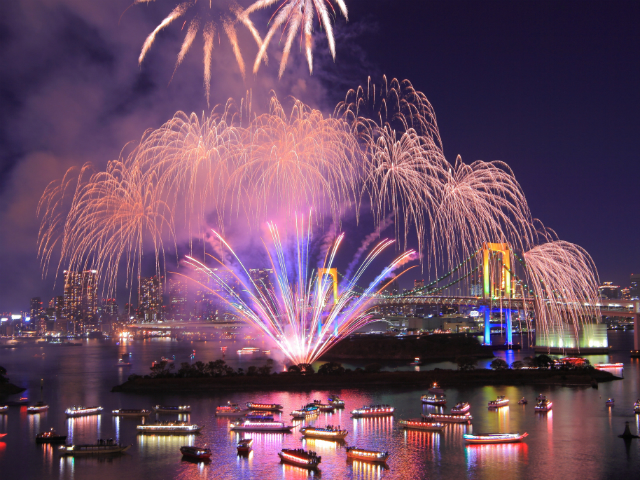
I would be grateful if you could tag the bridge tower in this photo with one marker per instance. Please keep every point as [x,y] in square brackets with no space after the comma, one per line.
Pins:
[333,273]
[499,288]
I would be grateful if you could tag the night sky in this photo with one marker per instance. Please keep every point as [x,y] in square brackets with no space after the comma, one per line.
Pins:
[549,87]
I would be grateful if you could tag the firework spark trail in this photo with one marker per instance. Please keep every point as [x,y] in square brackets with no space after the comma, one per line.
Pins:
[302,321]
[224,15]
[295,15]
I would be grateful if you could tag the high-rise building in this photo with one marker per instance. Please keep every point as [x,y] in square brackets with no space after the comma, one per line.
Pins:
[110,307]
[178,307]
[418,283]
[36,311]
[609,291]
[80,295]
[150,299]
[634,287]
[56,305]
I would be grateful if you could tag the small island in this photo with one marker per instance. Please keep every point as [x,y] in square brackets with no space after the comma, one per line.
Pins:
[7,388]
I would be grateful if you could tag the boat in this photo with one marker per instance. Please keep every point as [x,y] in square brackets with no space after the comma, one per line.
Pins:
[436,390]
[541,397]
[324,407]
[308,410]
[434,399]
[251,426]
[4,408]
[2,435]
[50,437]
[168,360]
[244,445]
[248,351]
[416,361]
[494,437]
[543,406]
[636,406]
[122,363]
[373,456]
[121,412]
[169,428]
[172,409]
[300,457]
[327,433]
[460,408]
[445,418]
[522,401]
[38,408]
[609,365]
[610,402]
[336,402]
[264,417]
[197,453]
[79,411]
[101,447]
[269,407]
[501,401]
[373,411]
[229,410]
[421,424]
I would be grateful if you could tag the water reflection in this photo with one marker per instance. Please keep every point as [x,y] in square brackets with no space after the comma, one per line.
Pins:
[367,471]
[293,472]
[83,429]
[494,459]
[163,445]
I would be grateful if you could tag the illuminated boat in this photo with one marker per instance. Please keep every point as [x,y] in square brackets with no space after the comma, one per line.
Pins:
[229,410]
[269,407]
[78,411]
[636,406]
[251,426]
[4,408]
[421,424]
[541,397]
[309,410]
[494,437]
[122,363]
[543,406]
[436,390]
[261,417]
[522,401]
[328,433]
[446,418]
[336,402]
[460,408]
[172,409]
[38,408]
[300,457]
[363,455]
[416,361]
[244,445]
[501,401]
[248,351]
[50,437]
[373,411]
[196,453]
[610,402]
[323,407]
[169,428]
[102,447]
[609,365]
[434,399]
[121,412]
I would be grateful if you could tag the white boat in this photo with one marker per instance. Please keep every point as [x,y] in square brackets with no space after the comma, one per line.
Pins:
[230,410]
[121,412]
[436,390]
[541,397]
[4,408]
[543,406]
[483,438]
[38,408]
[373,411]
[446,418]
[269,407]
[102,447]
[327,433]
[300,458]
[434,399]
[79,411]
[252,426]
[363,455]
[610,402]
[636,406]
[336,402]
[172,409]
[501,401]
[169,428]
[460,408]
[421,424]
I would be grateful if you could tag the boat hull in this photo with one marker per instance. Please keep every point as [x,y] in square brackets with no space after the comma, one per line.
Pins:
[56,439]
[301,463]
[448,418]
[96,451]
[131,414]
[262,429]
[154,431]
[480,440]
[324,435]
[368,459]
[427,426]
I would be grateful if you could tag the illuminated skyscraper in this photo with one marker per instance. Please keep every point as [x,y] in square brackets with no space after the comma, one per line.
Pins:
[80,295]
[178,308]
[150,299]
[36,311]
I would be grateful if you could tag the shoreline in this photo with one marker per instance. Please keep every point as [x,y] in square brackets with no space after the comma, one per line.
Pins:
[7,389]
[445,378]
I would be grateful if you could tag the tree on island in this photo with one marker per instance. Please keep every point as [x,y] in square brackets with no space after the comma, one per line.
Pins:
[3,372]
[517,365]
[331,368]
[466,363]
[302,368]
[499,364]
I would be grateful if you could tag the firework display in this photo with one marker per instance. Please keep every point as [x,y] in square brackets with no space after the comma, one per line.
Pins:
[380,153]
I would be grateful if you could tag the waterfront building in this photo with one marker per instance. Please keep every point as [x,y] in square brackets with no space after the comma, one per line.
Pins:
[634,287]
[36,310]
[178,307]
[80,295]
[418,283]
[609,291]
[150,299]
